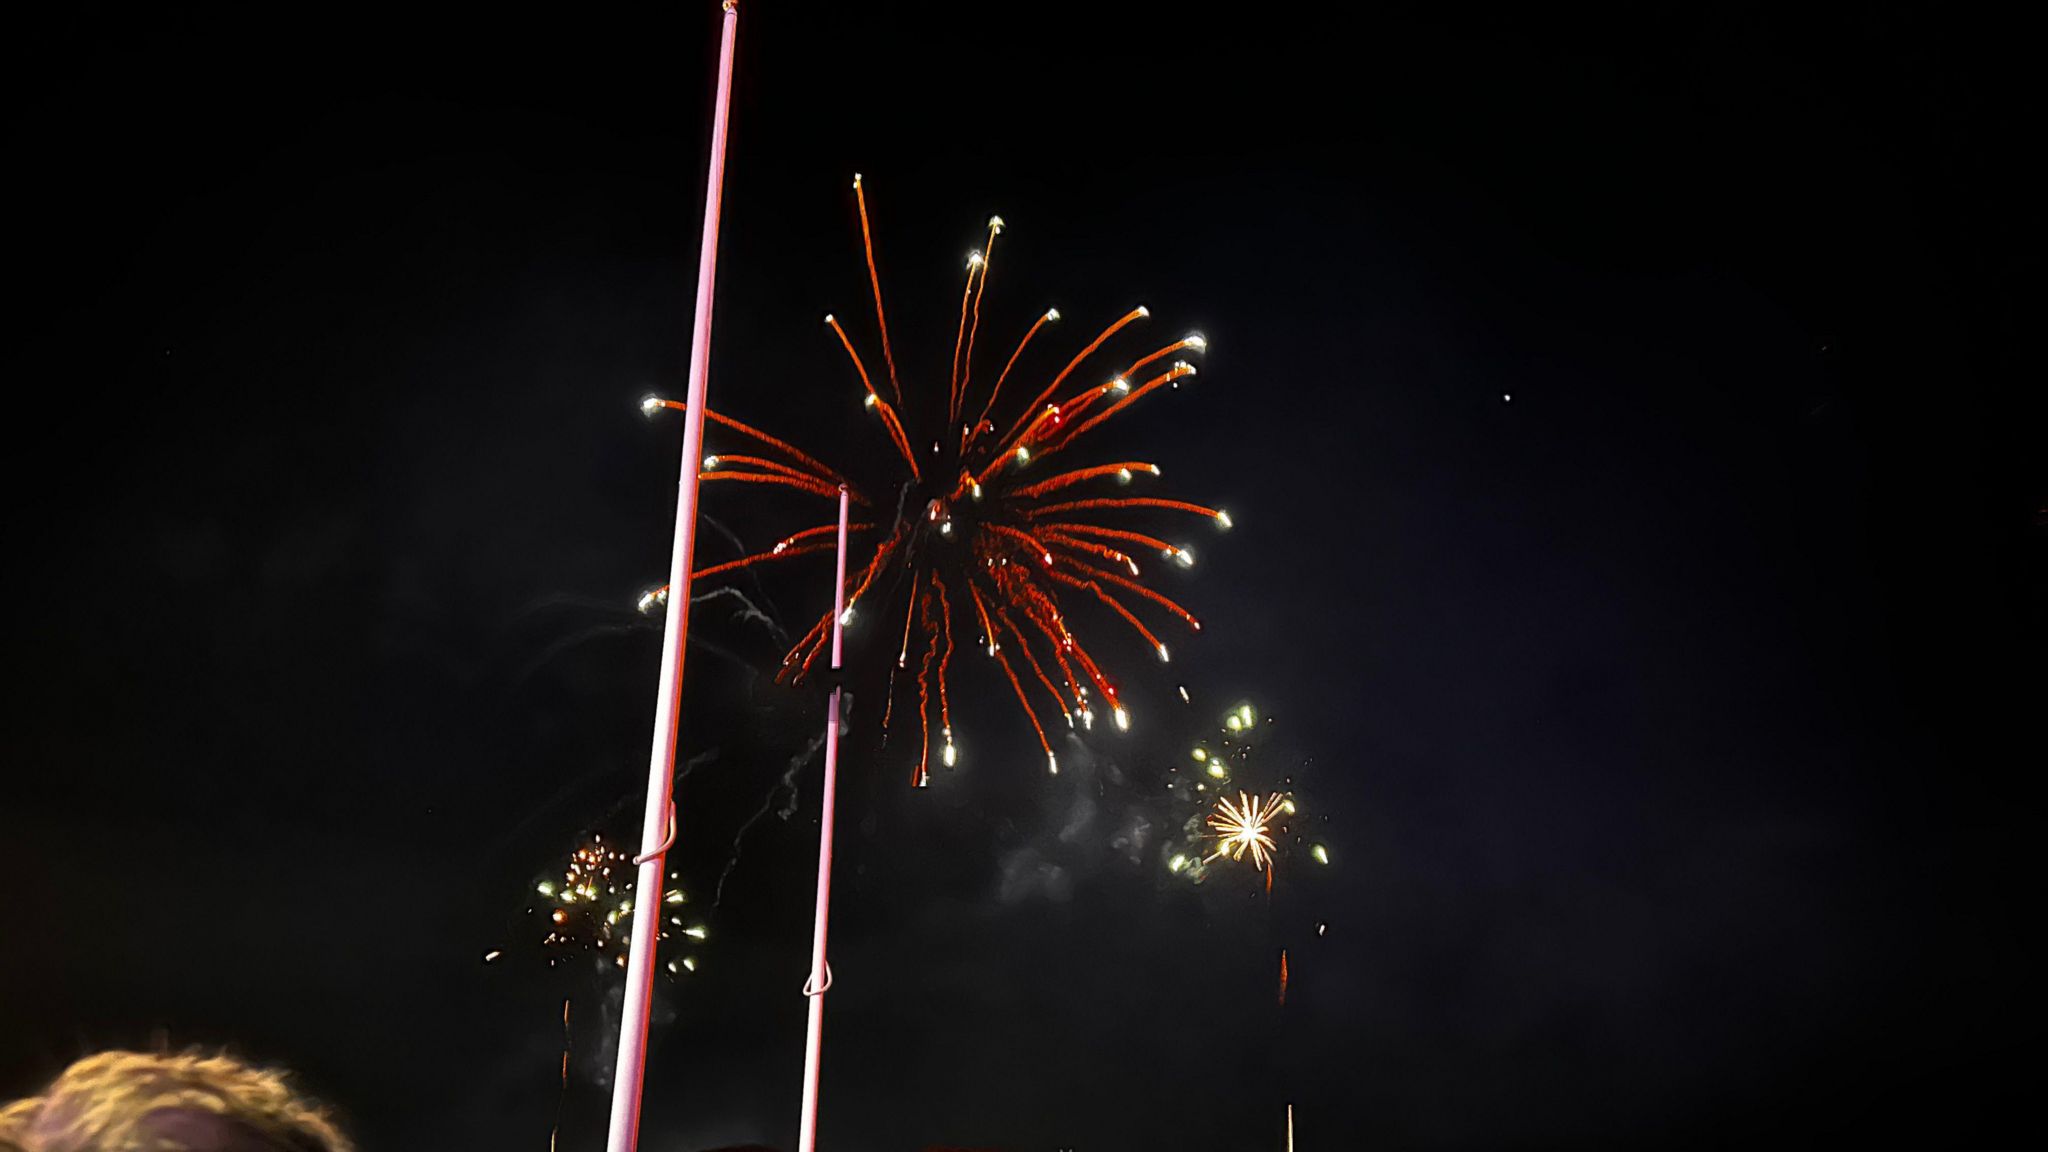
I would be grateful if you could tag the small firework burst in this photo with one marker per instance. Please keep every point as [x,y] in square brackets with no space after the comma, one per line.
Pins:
[1243,826]
[587,909]
[1223,817]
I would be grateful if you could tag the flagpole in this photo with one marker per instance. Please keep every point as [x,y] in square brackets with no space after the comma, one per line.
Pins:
[821,972]
[657,826]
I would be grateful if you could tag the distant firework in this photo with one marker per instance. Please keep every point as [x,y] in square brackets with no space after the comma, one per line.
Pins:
[1257,827]
[974,538]
[1244,826]
[587,909]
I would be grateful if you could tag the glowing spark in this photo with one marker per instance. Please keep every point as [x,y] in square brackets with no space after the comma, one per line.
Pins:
[1194,340]
[695,932]
[1201,754]
[1123,719]
[493,954]
[1223,519]
[1321,854]
[1177,863]
[649,405]
[1164,656]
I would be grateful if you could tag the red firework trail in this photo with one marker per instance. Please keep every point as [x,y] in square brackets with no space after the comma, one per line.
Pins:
[988,539]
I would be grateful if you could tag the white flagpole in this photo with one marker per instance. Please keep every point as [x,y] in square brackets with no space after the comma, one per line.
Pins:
[821,972]
[657,827]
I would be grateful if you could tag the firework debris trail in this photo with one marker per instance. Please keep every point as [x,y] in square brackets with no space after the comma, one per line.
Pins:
[984,536]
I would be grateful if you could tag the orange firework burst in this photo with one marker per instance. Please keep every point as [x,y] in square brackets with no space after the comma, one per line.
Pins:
[986,540]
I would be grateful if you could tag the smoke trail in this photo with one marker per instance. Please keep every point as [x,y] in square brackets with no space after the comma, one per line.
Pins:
[787,781]
[748,610]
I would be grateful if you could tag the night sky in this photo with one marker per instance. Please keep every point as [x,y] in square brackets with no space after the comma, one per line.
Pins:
[1640,549]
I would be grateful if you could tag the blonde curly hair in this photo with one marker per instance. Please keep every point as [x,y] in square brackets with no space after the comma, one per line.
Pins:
[192,1102]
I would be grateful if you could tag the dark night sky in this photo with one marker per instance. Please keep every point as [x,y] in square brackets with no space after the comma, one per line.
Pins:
[1669,717]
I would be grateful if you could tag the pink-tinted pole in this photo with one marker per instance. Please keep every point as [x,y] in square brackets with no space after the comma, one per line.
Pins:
[821,973]
[657,828]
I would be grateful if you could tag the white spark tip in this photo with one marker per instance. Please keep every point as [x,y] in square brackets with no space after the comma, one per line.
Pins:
[1023,454]
[856,179]
[1223,519]
[1143,311]
[870,401]
[828,318]
[1123,719]
[1123,475]
[1164,658]
[1196,341]
[1052,763]
[846,618]
[995,223]
[973,260]
[1052,315]
[649,405]
[949,755]
[1120,385]
[710,462]
[976,489]
[946,528]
